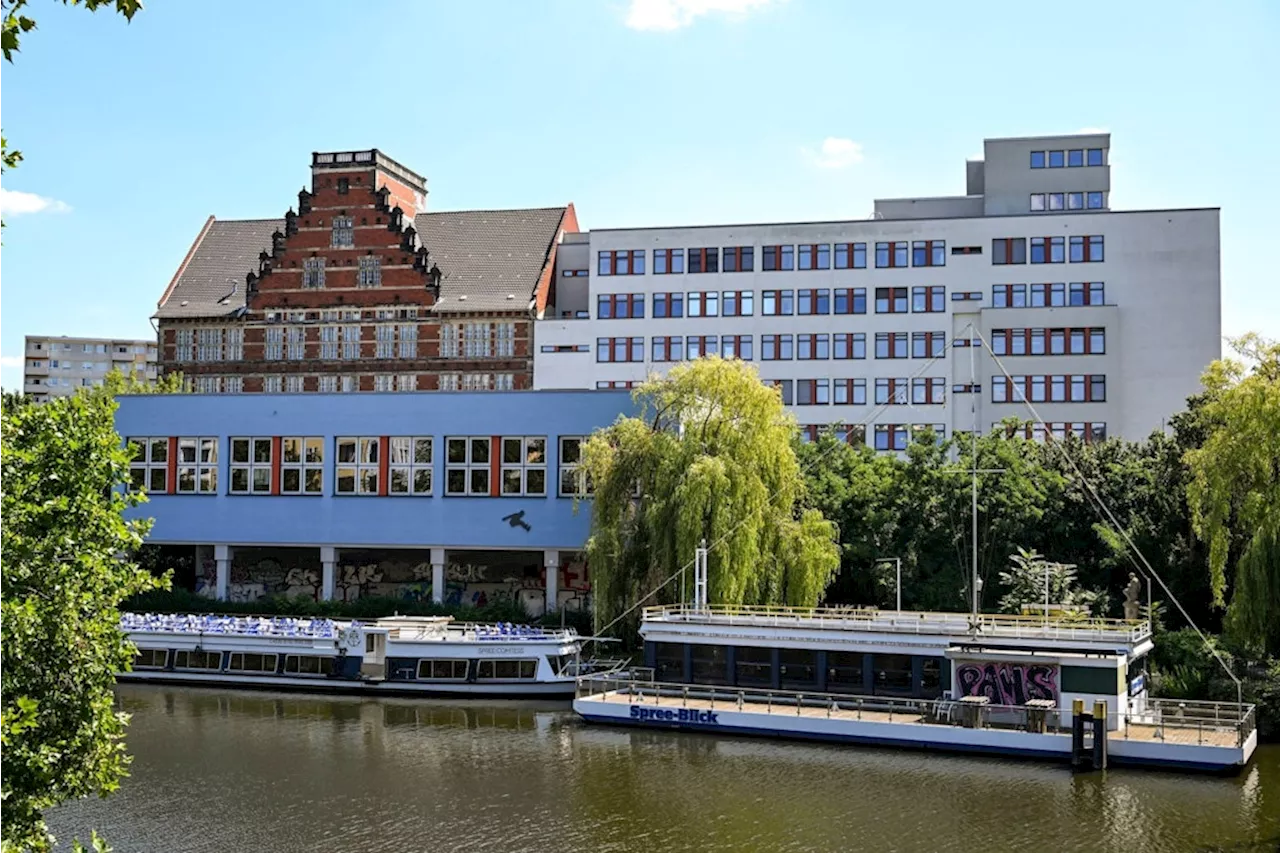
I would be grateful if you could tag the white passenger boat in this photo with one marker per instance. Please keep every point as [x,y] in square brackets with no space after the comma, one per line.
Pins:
[1000,685]
[398,655]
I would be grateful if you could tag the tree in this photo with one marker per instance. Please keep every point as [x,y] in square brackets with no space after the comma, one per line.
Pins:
[1236,484]
[63,469]
[712,458]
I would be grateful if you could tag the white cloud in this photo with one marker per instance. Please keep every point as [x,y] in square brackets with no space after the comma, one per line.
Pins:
[16,203]
[836,153]
[668,15]
[11,361]
[1093,130]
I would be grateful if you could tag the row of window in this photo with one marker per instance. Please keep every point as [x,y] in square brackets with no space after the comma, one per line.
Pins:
[1086,431]
[1070,158]
[1066,201]
[369,267]
[1048,250]
[119,349]
[427,669]
[781,258]
[336,315]
[349,383]
[805,347]
[1090,388]
[348,342]
[1057,294]
[820,301]
[1088,341]
[897,436]
[922,391]
[364,465]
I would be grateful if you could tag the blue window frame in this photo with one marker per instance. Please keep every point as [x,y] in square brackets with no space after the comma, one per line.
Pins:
[1075,157]
[1057,159]
[668,305]
[1095,157]
[1095,201]
[1037,159]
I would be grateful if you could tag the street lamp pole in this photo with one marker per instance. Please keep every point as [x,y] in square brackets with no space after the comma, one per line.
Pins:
[897,561]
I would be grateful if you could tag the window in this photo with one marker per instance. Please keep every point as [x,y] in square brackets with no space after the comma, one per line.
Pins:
[524,465]
[1095,157]
[574,273]
[1087,249]
[775,303]
[668,348]
[703,304]
[274,344]
[313,272]
[344,186]
[453,670]
[1048,250]
[1037,160]
[1056,160]
[621,262]
[891,344]
[573,479]
[293,384]
[736,346]
[251,465]
[408,334]
[778,258]
[350,342]
[851,300]
[668,261]
[343,233]
[929,390]
[892,392]
[928,344]
[1048,294]
[891,300]
[1009,296]
[1009,250]
[208,346]
[1075,201]
[197,466]
[252,662]
[1086,293]
[1055,201]
[619,349]
[486,669]
[739,303]
[667,305]
[851,256]
[929,253]
[776,348]
[850,345]
[813,392]
[1037,201]
[149,467]
[297,344]
[815,256]
[928,300]
[308,665]
[328,342]
[850,392]
[891,437]
[810,347]
[301,465]
[619,306]
[370,274]
[891,254]
[738,259]
[151,659]
[784,388]
[1075,158]
[1094,200]
[1056,389]
[704,260]
[467,465]
[810,301]
[183,659]
[328,384]
[696,346]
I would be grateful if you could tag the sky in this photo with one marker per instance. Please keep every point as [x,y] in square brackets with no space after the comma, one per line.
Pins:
[640,112]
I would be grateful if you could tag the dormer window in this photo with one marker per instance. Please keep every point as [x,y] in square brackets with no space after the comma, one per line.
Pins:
[344,236]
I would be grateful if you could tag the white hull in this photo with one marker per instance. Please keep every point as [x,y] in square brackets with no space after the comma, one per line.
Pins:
[369,687]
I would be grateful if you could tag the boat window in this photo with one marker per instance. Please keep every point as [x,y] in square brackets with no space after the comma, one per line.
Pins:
[562,665]
[931,678]
[455,669]
[151,659]
[369,644]
[844,672]
[308,665]
[710,665]
[197,660]
[668,661]
[252,662]
[507,669]
[798,669]
[892,675]
[753,666]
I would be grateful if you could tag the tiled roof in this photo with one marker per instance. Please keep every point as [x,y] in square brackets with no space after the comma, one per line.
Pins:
[210,282]
[492,257]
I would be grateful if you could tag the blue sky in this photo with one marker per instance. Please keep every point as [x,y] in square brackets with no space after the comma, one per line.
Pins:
[652,112]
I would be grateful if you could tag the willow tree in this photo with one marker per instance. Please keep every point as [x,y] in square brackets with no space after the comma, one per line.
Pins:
[710,456]
[1236,486]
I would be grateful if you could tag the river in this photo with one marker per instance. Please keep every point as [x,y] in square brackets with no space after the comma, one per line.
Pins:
[235,771]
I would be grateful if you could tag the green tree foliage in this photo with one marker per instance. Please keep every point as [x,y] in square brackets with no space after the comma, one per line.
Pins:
[1028,575]
[712,455]
[62,467]
[1236,486]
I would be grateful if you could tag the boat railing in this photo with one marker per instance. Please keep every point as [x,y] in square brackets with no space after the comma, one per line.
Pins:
[245,626]
[903,621]
[1200,723]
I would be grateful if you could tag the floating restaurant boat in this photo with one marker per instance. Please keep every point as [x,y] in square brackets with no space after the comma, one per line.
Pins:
[1062,689]
[397,655]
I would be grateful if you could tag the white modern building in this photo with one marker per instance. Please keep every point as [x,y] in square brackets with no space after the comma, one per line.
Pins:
[1103,319]
[57,366]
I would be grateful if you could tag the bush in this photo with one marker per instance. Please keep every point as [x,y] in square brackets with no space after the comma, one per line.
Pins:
[1182,668]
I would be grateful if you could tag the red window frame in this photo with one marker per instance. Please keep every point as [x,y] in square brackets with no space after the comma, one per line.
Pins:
[703,255]
[893,253]
[929,340]
[928,253]
[613,255]
[627,300]
[701,342]
[1007,243]
[930,293]
[737,341]
[667,255]
[737,303]
[613,344]
[814,251]
[934,390]
[666,342]
[893,298]
[737,254]
[778,254]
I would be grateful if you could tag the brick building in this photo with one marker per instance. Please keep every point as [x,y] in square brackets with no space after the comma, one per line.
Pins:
[361,289]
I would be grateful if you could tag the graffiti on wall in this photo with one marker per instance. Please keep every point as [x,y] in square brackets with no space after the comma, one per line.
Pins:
[1008,683]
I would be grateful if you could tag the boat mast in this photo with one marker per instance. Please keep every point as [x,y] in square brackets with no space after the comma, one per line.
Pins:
[973,434]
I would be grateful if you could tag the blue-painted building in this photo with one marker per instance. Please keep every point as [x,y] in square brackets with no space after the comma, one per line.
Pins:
[457,496]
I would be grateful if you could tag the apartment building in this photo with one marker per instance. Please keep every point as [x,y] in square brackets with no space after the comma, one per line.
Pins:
[362,289]
[936,313]
[57,366]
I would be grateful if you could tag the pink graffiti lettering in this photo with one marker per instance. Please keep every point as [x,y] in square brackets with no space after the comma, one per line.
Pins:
[1008,683]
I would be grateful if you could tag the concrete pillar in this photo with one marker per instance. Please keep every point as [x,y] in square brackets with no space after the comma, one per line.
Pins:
[328,567]
[551,560]
[222,556]
[437,575]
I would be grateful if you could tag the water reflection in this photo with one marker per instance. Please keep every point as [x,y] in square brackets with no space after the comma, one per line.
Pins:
[232,770]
